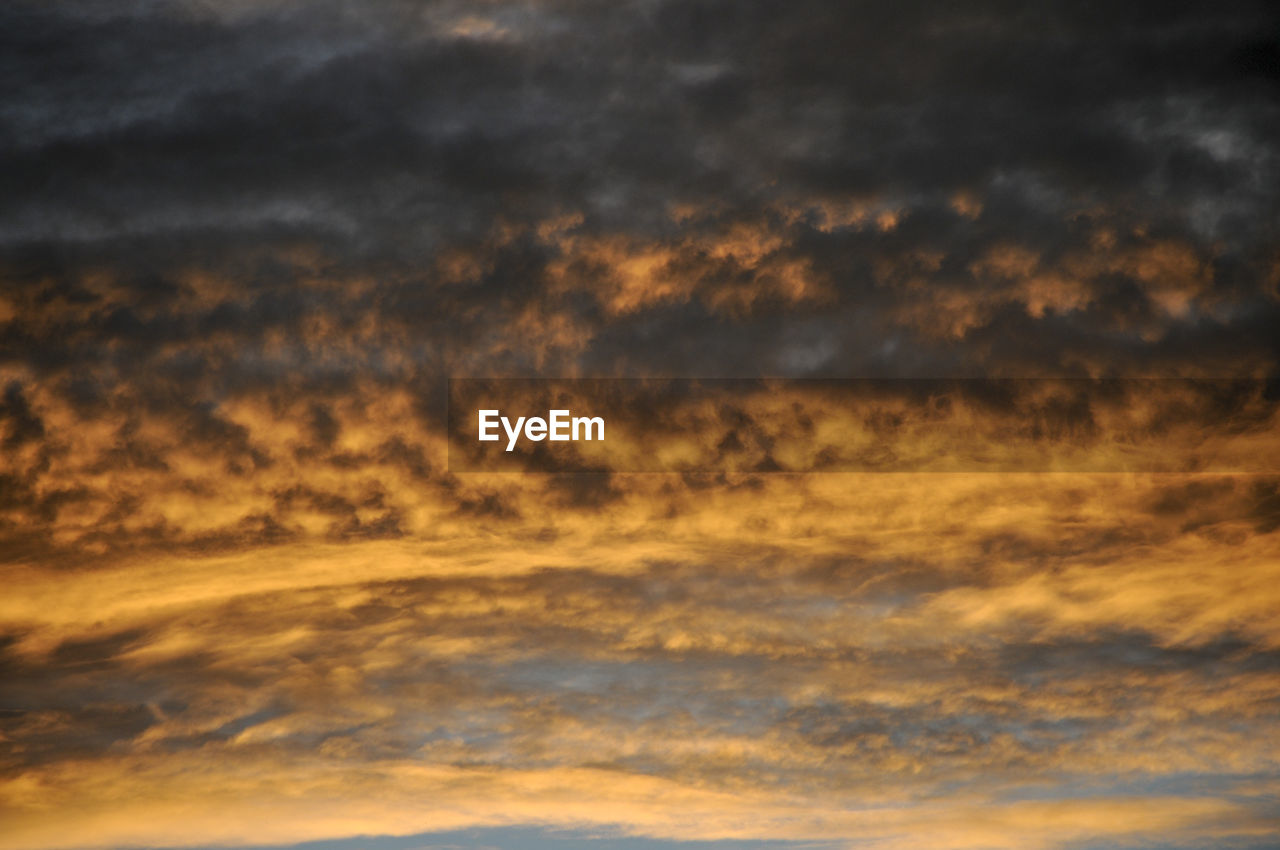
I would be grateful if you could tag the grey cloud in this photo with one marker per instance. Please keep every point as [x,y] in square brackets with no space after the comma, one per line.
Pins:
[385,139]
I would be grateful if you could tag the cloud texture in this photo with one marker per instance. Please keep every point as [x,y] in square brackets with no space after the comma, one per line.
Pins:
[247,601]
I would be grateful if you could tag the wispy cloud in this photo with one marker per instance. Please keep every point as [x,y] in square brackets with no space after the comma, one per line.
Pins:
[246,600]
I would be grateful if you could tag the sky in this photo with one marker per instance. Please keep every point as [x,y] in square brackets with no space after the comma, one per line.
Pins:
[249,597]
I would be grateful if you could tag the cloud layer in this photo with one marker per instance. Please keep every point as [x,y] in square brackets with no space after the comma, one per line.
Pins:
[244,245]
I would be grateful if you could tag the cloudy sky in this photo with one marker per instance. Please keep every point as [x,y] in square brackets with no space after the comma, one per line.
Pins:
[246,600]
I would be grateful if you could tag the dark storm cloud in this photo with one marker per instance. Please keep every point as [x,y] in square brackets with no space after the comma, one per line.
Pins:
[205,135]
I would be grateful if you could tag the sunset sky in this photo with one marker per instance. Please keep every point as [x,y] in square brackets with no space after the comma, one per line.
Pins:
[251,597]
